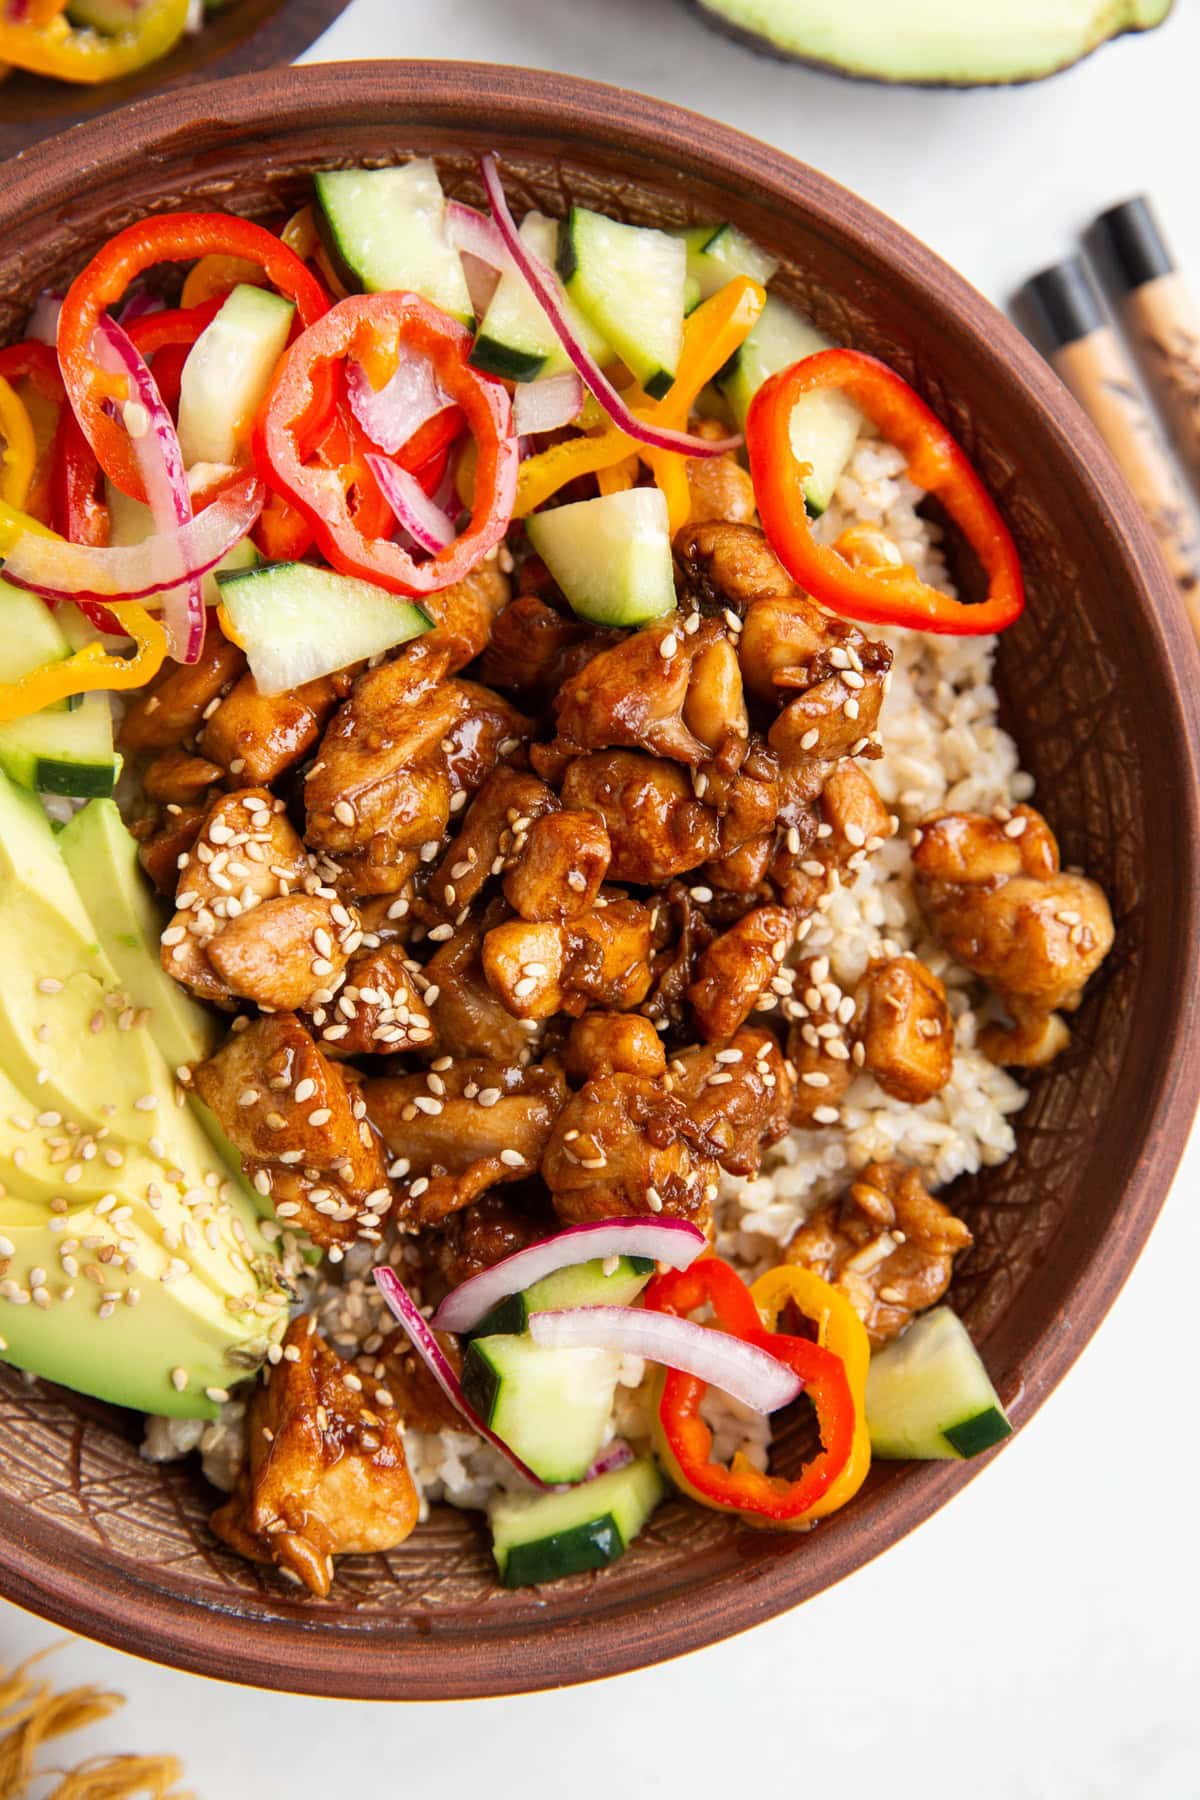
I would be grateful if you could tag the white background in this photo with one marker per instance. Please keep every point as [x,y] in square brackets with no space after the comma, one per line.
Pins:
[1036,1639]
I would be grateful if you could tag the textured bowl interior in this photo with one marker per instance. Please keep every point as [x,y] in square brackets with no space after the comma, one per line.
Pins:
[1098,682]
[250,34]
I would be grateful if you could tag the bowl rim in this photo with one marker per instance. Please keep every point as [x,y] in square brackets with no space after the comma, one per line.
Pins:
[137,1615]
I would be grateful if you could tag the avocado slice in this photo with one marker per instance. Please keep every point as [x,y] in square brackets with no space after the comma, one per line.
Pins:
[952,43]
[131,1262]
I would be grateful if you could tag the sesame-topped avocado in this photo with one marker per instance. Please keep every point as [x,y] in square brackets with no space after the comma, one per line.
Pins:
[132,1265]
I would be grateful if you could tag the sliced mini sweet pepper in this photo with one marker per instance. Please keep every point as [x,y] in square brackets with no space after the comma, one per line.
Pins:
[169,237]
[839,1329]
[18,459]
[375,329]
[711,334]
[873,591]
[65,53]
[91,667]
[685,1442]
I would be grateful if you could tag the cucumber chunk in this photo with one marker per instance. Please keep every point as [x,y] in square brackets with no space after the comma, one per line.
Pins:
[516,340]
[563,1534]
[30,636]
[385,230]
[63,752]
[716,253]
[227,373]
[610,556]
[824,426]
[631,282]
[297,622]
[551,1406]
[586,1284]
[929,1395]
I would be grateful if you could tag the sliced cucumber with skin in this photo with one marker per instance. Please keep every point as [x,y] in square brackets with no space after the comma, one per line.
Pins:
[297,622]
[595,1283]
[631,282]
[551,1406]
[385,230]
[554,1535]
[716,253]
[67,753]
[516,340]
[30,636]
[929,1395]
[227,373]
[824,425]
[610,556]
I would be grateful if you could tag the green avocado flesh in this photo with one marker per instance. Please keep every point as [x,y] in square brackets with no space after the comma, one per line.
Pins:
[963,43]
[132,1266]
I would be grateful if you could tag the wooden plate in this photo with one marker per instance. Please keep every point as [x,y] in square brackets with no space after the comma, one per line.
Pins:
[249,35]
[1100,682]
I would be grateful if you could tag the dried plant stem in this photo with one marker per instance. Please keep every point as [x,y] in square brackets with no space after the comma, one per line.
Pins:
[32,1715]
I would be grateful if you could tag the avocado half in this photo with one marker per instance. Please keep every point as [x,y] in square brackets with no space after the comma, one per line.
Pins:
[934,43]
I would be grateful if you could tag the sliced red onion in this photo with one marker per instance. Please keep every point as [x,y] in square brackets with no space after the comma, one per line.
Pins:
[141,304]
[547,292]
[548,404]
[61,571]
[155,445]
[474,234]
[43,320]
[741,1370]
[392,414]
[425,523]
[412,1321]
[670,1241]
[616,1455]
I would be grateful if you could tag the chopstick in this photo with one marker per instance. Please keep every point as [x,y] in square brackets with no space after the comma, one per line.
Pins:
[1087,354]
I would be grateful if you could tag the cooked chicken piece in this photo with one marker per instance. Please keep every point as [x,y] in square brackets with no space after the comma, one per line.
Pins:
[715,708]
[681,931]
[283,952]
[720,487]
[621,1145]
[532,647]
[300,1128]
[462,1128]
[258,737]
[378,871]
[464,614]
[748,800]
[540,968]
[739,1093]
[468,1018]
[379,1010]
[851,824]
[736,968]
[387,918]
[820,1048]
[722,564]
[178,777]
[839,683]
[887,1244]
[488,730]
[244,854]
[904,1026]
[996,898]
[170,711]
[501,812]
[478,1237]
[557,868]
[656,826]
[325,1475]
[420,1404]
[164,841]
[381,771]
[634,694]
[603,1042]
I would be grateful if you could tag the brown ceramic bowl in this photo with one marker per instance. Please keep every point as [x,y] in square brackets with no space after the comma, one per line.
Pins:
[251,34]
[1100,681]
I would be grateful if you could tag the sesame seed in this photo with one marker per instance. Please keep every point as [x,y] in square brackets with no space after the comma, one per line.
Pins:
[344,813]
[728,1056]
[719,1078]
[489,1096]
[850,708]
[427,1104]
[179,1379]
[654,1200]
[218,1395]
[701,894]
[826,1115]
[321,1116]
[512,1159]
[419,1187]
[810,739]
[523,988]
[668,646]
[146,1102]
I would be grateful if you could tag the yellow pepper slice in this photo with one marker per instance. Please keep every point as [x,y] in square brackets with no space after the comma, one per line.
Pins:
[839,1329]
[90,668]
[59,50]
[215,275]
[710,336]
[18,461]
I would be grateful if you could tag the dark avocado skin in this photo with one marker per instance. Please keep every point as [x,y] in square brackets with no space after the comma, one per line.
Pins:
[755,41]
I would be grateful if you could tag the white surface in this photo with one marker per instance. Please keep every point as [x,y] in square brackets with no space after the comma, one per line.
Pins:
[1037,1638]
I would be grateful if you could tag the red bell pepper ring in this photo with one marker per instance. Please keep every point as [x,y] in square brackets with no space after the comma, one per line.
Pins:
[878,595]
[169,237]
[686,1442]
[375,328]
